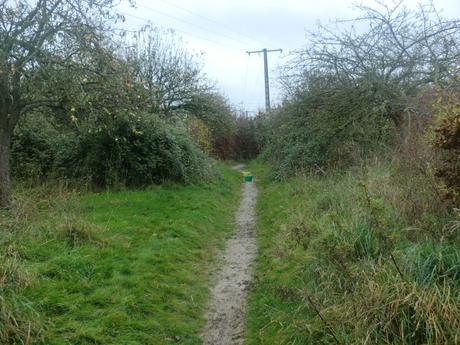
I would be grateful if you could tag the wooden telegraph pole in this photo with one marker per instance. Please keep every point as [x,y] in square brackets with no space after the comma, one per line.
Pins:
[267,85]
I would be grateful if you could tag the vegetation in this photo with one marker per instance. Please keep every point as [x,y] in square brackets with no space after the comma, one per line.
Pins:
[350,91]
[36,42]
[365,257]
[358,213]
[124,150]
[447,140]
[359,243]
[246,144]
[86,108]
[113,267]
[79,106]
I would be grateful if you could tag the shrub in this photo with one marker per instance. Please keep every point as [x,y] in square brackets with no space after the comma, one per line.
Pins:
[216,113]
[33,149]
[246,145]
[200,133]
[447,140]
[136,152]
[326,126]
[112,150]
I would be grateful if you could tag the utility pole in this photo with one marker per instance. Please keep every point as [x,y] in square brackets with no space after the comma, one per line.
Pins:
[267,85]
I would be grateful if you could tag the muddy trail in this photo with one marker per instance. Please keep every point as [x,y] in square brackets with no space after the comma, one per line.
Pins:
[226,310]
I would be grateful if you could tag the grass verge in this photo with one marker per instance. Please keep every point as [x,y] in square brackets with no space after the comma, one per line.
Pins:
[343,260]
[126,267]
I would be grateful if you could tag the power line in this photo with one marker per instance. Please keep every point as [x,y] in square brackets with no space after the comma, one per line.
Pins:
[193,24]
[146,20]
[246,75]
[213,21]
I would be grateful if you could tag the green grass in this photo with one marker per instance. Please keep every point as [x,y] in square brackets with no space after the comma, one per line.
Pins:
[126,267]
[326,245]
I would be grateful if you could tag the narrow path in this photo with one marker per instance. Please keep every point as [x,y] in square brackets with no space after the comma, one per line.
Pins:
[226,310]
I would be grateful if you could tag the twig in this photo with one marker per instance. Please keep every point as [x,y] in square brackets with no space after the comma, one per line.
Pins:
[321,317]
[397,267]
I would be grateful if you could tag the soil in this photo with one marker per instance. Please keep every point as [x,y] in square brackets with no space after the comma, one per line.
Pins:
[226,310]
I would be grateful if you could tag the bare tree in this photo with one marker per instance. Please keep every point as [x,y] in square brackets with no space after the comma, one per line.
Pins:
[36,39]
[389,47]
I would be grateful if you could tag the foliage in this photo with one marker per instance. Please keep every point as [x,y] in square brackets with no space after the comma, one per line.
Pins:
[34,148]
[200,133]
[328,125]
[170,75]
[246,144]
[93,108]
[113,267]
[214,110]
[447,140]
[347,93]
[393,49]
[37,40]
[108,151]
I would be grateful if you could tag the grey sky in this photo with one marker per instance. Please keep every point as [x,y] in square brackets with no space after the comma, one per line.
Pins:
[224,30]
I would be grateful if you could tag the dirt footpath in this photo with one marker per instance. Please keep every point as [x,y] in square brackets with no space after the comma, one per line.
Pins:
[226,309]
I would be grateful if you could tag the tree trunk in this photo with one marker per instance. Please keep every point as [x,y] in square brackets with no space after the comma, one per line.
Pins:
[5,179]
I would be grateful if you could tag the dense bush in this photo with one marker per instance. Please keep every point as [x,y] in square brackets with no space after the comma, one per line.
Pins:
[112,118]
[124,150]
[217,115]
[348,92]
[327,125]
[34,148]
[200,133]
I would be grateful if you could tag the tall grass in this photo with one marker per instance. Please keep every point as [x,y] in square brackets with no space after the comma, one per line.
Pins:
[344,259]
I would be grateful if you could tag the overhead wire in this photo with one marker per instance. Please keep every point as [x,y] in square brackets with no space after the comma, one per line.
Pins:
[194,24]
[147,20]
[257,81]
[214,22]
[233,48]
[245,81]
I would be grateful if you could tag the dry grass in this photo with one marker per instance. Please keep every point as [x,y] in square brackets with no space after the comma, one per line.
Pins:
[365,257]
[385,310]
[76,231]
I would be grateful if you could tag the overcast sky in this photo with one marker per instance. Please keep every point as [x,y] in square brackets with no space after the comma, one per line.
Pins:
[223,30]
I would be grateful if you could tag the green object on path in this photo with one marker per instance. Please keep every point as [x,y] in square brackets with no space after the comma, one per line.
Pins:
[248,178]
